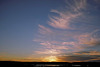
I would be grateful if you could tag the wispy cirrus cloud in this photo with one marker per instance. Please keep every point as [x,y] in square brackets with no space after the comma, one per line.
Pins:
[69,32]
[44,30]
[91,39]
[48,52]
[65,18]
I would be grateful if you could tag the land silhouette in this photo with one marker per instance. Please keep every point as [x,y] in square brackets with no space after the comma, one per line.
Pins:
[48,64]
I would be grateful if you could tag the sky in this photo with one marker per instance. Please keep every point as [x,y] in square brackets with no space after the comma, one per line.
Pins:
[50,30]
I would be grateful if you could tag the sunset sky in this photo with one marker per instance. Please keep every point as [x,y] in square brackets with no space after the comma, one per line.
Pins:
[50,30]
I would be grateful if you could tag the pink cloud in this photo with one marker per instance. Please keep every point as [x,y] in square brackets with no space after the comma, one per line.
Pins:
[72,45]
[48,51]
[81,4]
[63,21]
[61,46]
[69,43]
[89,38]
[46,44]
[53,46]
[72,38]
[44,30]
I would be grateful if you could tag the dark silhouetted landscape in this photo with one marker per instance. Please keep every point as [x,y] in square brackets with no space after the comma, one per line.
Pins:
[48,64]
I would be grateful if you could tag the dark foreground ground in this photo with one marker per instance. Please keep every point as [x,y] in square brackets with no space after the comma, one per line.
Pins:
[48,64]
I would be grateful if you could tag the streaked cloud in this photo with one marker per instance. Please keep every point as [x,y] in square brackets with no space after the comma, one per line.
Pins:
[91,39]
[80,58]
[70,31]
[48,52]
[44,30]
[65,18]
[88,53]
[53,46]
[62,22]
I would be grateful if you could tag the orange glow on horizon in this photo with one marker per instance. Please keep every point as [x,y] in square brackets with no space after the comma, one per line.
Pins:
[50,59]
